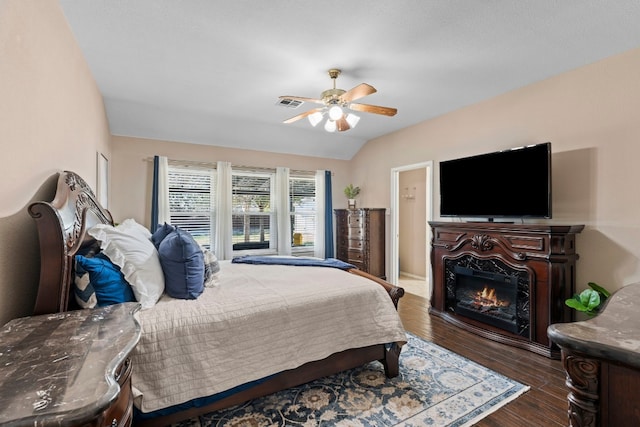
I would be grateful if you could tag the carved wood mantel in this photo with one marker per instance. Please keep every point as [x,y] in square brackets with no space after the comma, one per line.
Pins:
[545,255]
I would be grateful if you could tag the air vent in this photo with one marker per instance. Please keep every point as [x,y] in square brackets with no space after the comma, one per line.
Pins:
[289,103]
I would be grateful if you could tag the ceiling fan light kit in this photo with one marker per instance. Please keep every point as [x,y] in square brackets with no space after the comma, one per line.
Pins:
[334,103]
[315,118]
[330,126]
[335,113]
[353,120]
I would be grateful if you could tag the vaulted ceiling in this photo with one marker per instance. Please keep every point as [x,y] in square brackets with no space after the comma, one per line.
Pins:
[211,71]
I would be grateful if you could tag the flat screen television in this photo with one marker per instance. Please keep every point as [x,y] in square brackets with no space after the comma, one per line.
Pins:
[513,183]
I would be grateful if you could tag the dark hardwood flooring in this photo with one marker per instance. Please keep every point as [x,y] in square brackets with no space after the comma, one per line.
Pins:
[545,404]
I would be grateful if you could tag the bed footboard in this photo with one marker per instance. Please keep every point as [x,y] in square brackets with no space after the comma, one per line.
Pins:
[395,292]
[310,371]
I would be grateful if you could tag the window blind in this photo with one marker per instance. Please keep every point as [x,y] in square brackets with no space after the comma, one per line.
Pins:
[251,194]
[302,195]
[192,202]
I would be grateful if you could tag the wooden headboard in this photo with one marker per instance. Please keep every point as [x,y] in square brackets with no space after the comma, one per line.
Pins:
[62,230]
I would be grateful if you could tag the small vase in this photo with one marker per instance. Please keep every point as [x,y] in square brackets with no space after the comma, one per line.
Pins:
[352,203]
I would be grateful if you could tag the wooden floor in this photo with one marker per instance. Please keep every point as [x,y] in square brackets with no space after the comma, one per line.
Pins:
[545,404]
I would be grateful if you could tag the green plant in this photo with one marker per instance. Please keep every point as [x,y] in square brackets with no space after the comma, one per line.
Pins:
[351,192]
[590,300]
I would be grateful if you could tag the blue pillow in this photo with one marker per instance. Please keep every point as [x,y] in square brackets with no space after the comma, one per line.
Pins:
[83,289]
[183,265]
[84,293]
[161,232]
[106,279]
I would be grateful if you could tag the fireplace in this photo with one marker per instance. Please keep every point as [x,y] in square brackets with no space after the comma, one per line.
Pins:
[472,284]
[505,282]
[488,297]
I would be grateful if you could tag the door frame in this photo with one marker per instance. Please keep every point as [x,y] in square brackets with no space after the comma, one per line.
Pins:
[394,268]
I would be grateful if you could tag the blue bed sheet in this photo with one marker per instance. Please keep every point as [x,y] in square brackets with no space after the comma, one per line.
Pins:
[296,261]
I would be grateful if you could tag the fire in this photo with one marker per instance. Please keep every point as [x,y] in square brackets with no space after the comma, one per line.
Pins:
[488,297]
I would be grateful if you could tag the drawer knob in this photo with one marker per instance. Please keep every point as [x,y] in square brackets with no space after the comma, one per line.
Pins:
[114,423]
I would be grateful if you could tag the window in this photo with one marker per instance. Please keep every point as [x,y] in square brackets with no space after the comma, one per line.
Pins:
[192,200]
[251,200]
[302,202]
[192,204]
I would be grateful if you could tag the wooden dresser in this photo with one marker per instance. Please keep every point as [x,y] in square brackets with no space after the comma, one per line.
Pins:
[69,369]
[360,238]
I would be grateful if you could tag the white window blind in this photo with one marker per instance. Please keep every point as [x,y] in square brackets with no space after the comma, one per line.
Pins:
[302,197]
[252,213]
[192,201]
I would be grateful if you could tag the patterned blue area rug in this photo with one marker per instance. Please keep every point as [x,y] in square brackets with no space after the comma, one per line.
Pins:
[435,388]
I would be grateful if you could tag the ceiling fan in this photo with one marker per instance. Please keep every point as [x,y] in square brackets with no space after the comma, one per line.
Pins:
[334,103]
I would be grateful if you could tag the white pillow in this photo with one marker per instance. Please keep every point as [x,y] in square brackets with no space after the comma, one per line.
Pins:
[129,247]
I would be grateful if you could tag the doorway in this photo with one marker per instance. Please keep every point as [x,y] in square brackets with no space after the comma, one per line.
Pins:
[411,209]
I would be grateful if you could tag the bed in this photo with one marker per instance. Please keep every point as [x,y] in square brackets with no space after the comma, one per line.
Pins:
[203,354]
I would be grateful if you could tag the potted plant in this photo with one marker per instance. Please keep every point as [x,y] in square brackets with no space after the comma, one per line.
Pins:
[351,192]
[589,301]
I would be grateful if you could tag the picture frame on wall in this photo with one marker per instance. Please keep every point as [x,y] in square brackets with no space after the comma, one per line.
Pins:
[102,190]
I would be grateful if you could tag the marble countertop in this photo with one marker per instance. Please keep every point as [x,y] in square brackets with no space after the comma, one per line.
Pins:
[614,334]
[58,369]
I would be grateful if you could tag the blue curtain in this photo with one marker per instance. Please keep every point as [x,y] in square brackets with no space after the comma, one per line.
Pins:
[154,195]
[328,215]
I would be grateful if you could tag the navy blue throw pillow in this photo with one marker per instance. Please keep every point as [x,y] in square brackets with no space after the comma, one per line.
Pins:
[106,279]
[161,232]
[183,265]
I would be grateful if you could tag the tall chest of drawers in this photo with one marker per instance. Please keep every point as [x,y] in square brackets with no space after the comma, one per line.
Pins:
[360,238]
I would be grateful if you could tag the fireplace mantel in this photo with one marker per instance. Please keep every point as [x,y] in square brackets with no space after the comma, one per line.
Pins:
[544,254]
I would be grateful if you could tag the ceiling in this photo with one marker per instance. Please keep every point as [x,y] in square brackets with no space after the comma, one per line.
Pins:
[211,71]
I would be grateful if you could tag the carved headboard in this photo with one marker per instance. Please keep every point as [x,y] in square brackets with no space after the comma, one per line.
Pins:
[62,231]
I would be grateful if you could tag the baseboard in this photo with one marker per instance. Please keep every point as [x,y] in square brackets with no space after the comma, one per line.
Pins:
[413,276]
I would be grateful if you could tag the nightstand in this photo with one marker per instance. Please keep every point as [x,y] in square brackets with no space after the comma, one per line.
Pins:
[68,369]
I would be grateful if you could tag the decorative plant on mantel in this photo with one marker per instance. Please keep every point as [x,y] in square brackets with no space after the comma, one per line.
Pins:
[590,300]
[351,192]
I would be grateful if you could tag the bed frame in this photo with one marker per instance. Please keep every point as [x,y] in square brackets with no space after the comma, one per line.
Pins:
[62,229]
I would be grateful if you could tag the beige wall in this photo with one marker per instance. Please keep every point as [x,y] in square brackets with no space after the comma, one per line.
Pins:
[592,117]
[50,107]
[132,171]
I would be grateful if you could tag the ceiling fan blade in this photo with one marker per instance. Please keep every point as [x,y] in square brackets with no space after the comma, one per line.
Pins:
[375,109]
[303,99]
[358,92]
[302,115]
[342,124]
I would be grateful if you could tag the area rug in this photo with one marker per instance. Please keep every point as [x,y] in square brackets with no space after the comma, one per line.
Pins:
[435,388]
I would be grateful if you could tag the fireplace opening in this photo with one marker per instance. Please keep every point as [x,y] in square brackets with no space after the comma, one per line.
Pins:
[487,296]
